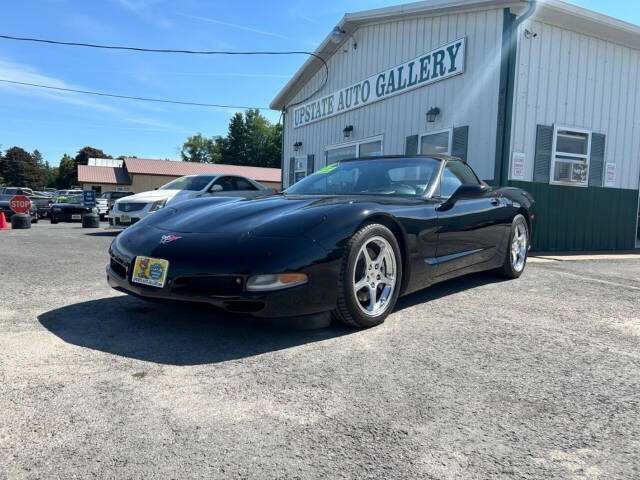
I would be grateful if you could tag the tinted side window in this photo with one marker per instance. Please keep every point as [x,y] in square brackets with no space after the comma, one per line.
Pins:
[244,184]
[454,175]
[227,184]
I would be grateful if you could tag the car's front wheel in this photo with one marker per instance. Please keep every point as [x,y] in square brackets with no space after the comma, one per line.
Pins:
[53,219]
[370,277]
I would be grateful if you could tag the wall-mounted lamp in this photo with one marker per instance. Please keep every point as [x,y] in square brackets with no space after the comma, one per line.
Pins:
[297,146]
[347,131]
[432,114]
[337,34]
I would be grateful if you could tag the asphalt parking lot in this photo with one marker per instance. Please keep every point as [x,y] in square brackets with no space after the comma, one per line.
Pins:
[472,379]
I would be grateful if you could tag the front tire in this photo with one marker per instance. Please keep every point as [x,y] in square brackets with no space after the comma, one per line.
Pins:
[517,249]
[370,277]
[53,219]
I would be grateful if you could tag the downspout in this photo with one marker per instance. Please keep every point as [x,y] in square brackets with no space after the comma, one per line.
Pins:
[282,161]
[507,90]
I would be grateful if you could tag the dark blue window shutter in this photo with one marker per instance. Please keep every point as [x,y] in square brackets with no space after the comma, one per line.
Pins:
[292,167]
[542,160]
[411,145]
[596,162]
[460,142]
[310,160]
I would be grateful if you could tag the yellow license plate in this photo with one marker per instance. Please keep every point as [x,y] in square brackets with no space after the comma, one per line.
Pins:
[76,217]
[125,218]
[150,271]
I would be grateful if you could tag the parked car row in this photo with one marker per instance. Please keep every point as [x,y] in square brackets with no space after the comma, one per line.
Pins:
[8,213]
[41,202]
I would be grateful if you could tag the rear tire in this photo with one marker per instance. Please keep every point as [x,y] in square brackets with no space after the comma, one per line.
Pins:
[517,249]
[370,277]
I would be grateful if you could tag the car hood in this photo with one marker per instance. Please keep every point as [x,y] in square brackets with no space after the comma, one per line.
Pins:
[155,195]
[276,215]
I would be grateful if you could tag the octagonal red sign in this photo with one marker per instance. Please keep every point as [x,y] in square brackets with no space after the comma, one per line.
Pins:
[20,204]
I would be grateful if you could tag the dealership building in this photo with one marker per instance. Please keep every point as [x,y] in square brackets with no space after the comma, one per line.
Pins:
[144,174]
[544,96]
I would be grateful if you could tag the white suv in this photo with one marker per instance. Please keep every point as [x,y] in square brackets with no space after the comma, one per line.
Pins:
[128,210]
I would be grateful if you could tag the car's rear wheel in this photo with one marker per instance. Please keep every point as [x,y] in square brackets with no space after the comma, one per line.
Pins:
[517,249]
[370,277]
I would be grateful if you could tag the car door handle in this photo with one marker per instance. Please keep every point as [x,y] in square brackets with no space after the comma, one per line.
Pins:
[495,202]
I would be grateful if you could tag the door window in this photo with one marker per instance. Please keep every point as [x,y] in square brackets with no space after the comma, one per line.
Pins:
[227,184]
[244,184]
[456,174]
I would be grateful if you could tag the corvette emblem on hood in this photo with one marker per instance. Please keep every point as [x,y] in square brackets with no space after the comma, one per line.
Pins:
[168,238]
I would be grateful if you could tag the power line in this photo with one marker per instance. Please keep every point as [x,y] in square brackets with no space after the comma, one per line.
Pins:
[190,52]
[144,99]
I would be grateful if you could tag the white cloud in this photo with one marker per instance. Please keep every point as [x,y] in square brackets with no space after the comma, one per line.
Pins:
[23,73]
[233,25]
[156,124]
[142,8]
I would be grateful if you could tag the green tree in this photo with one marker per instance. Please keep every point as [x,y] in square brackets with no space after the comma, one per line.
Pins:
[67,172]
[50,175]
[234,146]
[251,140]
[200,149]
[37,156]
[18,168]
[84,154]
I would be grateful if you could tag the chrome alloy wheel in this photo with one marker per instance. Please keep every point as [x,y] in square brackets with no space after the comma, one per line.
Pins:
[519,246]
[374,276]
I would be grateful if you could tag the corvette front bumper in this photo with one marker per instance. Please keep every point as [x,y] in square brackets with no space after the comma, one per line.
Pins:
[226,290]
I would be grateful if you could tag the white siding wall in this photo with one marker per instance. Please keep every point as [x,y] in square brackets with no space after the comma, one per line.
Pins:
[469,99]
[571,79]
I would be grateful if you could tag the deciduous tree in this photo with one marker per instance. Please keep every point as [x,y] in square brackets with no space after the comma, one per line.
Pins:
[84,154]
[200,149]
[67,172]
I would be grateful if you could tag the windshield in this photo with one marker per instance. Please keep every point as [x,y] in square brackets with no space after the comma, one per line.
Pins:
[75,199]
[384,176]
[195,184]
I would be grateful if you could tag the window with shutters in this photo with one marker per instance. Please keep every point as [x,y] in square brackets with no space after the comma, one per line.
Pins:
[369,147]
[570,158]
[438,142]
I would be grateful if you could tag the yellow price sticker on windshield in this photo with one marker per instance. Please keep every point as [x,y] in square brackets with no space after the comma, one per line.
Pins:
[328,168]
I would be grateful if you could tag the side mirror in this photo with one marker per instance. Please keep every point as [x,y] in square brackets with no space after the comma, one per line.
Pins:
[216,188]
[464,191]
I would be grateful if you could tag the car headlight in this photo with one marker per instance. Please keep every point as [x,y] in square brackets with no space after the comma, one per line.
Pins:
[277,281]
[158,204]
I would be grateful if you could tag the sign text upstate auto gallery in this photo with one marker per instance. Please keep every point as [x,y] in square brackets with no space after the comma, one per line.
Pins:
[441,63]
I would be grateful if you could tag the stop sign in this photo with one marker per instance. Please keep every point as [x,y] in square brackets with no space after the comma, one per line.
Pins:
[20,204]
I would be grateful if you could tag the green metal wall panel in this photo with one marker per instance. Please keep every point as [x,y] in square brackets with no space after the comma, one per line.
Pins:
[576,218]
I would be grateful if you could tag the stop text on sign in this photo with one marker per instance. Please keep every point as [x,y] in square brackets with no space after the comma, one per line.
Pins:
[443,62]
[20,204]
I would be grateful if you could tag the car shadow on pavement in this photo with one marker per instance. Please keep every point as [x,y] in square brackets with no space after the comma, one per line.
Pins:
[174,335]
[112,233]
[447,288]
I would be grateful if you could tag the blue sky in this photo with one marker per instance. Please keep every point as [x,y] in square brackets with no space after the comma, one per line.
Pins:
[58,123]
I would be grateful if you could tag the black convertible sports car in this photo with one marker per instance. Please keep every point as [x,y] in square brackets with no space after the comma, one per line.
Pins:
[348,239]
[69,209]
